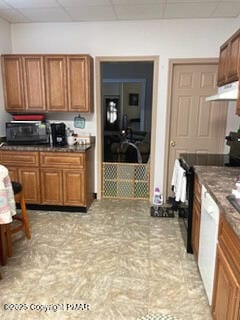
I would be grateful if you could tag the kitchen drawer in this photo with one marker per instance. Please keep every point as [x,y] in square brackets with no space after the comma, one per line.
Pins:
[53,159]
[228,239]
[22,159]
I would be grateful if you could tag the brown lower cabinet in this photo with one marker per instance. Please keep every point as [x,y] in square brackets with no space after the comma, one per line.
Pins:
[226,295]
[74,187]
[29,177]
[196,216]
[63,187]
[51,186]
[53,178]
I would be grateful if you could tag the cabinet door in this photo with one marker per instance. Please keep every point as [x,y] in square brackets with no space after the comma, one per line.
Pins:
[33,71]
[13,173]
[226,290]
[80,91]
[13,83]
[56,83]
[234,56]
[31,184]
[74,187]
[51,186]
[196,227]
[223,64]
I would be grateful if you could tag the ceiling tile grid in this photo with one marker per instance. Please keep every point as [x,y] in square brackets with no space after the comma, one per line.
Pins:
[18,11]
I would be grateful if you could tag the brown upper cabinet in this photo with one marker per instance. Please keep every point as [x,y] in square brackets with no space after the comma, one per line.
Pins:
[56,83]
[13,83]
[50,83]
[234,58]
[80,83]
[34,88]
[228,69]
[223,63]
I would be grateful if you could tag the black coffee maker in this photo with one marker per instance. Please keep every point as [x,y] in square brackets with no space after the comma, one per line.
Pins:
[58,134]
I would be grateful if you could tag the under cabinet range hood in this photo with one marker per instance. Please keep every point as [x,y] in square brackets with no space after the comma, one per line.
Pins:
[226,93]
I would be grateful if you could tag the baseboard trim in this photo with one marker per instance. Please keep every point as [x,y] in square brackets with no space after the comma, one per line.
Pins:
[55,208]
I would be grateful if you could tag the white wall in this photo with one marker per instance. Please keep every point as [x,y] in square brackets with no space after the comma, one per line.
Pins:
[5,47]
[166,38]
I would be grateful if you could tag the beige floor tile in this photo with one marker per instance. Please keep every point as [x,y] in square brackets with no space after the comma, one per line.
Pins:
[167,267]
[102,263]
[129,291]
[135,267]
[135,247]
[132,232]
[165,294]
[122,311]
[91,287]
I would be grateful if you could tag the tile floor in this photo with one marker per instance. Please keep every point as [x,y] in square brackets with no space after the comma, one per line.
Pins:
[116,259]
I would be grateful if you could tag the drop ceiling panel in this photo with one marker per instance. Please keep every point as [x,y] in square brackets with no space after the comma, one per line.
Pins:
[32,3]
[13,16]
[91,13]
[3,5]
[78,3]
[227,9]
[193,1]
[142,12]
[46,14]
[189,10]
[136,2]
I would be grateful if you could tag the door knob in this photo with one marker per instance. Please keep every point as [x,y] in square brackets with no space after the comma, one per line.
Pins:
[172,143]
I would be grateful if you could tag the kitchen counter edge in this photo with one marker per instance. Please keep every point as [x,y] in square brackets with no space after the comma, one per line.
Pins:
[46,148]
[219,182]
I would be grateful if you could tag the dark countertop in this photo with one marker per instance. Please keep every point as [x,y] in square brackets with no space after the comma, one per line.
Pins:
[219,182]
[47,148]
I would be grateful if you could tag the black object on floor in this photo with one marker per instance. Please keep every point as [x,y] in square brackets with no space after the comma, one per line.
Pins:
[173,202]
[162,211]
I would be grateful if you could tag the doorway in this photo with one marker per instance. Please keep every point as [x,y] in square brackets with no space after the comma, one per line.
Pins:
[194,125]
[126,123]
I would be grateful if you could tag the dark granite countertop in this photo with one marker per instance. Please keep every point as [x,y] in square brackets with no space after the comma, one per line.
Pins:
[46,148]
[219,182]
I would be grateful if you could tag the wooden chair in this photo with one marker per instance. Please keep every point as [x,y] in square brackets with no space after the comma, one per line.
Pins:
[7,230]
[23,217]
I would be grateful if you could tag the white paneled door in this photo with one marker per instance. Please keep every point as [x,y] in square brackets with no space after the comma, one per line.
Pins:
[196,126]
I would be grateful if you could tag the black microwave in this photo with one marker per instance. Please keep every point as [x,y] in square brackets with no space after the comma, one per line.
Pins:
[28,132]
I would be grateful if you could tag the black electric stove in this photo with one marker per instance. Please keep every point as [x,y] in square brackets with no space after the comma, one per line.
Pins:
[232,159]
[203,159]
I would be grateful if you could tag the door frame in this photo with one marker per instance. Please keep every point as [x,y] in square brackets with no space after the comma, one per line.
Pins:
[171,65]
[98,61]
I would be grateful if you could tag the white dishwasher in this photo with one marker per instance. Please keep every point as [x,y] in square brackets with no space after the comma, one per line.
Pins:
[208,241]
